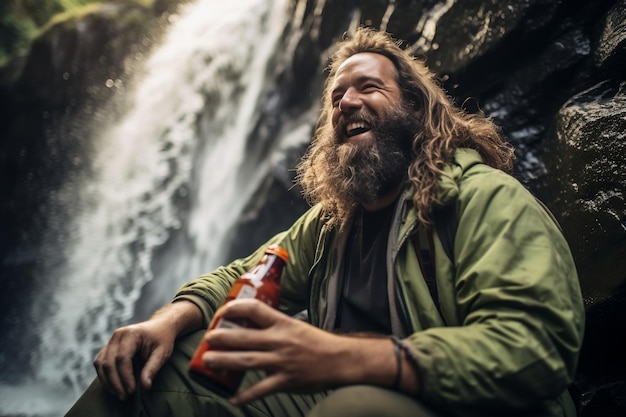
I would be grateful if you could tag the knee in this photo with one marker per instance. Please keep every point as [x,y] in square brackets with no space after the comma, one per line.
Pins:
[369,401]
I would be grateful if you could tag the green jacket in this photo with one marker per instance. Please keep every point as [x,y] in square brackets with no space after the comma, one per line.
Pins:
[511,316]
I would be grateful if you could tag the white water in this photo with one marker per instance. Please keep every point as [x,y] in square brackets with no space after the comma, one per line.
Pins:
[208,73]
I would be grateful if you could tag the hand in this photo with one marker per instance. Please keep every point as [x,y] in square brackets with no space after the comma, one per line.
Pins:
[297,356]
[151,342]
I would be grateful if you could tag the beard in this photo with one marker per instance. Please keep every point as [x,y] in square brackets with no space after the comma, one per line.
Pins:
[362,173]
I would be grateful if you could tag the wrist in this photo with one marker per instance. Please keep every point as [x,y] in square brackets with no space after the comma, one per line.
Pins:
[397,348]
[182,316]
[407,376]
[366,359]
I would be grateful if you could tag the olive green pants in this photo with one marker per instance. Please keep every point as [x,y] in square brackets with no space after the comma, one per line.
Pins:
[175,393]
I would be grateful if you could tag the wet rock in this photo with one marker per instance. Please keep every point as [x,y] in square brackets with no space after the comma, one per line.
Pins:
[589,180]
[600,382]
[610,54]
[75,58]
[464,31]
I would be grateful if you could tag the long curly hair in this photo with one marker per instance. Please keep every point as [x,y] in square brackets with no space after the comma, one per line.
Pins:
[444,128]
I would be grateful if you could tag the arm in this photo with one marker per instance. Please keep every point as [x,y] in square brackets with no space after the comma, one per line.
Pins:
[209,291]
[152,341]
[517,316]
[194,304]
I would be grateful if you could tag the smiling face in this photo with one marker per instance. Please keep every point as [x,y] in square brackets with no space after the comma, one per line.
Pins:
[369,148]
[385,119]
[365,87]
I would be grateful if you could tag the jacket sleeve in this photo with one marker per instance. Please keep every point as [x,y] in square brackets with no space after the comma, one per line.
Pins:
[519,315]
[209,291]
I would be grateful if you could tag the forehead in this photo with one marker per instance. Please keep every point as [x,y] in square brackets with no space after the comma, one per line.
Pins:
[366,64]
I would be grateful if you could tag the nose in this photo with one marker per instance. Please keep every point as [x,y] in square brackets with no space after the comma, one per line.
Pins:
[350,101]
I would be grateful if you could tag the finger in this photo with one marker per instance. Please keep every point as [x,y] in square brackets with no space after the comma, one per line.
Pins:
[126,372]
[254,310]
[243,339]
[155,361]
[107,371]
[114,364]
[239,360]
[103,374]
[271,384]
[124,361]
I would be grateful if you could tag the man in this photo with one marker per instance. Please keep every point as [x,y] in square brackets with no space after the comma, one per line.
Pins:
[498,334]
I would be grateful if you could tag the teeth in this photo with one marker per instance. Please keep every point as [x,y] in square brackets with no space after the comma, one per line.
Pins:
[356,128]
[357,125]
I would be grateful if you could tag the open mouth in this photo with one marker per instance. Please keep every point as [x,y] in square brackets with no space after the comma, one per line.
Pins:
[356,128]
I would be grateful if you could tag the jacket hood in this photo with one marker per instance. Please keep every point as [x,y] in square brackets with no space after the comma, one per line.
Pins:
[448,187]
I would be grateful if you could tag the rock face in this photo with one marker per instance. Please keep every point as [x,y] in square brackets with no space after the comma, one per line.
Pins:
[550,73]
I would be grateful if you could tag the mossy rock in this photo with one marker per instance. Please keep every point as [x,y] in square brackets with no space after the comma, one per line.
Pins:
[22,21]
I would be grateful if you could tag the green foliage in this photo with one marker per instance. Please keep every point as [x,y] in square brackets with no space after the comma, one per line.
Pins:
[21,20]
[15,35]
[39,11]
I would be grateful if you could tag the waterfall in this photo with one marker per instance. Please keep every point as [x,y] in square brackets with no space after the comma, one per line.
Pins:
[167,181]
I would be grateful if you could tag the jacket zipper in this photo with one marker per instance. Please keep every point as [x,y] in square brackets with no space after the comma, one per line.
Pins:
[400,292]
[319,254]
[397,242]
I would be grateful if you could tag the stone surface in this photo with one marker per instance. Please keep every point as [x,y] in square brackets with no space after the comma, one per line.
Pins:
[611,49]
[589,181]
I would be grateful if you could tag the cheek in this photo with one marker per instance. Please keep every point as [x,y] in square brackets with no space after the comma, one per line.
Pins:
[335,116]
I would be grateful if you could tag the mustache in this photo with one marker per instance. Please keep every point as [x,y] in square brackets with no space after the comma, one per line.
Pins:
[344,121]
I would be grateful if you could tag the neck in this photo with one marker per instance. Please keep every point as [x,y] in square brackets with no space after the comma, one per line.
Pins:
[385,201]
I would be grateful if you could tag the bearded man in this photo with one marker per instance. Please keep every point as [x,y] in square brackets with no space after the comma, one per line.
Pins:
[497,331]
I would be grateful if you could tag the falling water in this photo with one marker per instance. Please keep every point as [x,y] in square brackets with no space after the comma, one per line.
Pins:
[169,171]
